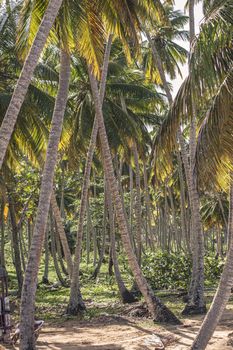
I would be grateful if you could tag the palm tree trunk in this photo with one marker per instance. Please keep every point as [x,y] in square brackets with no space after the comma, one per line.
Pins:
[158,311]
[2,225]
[75,305]
[54,250]
[148,206]
[196,290]
[101,258]
[30,280]
[8,124]
[45,278]
[15,242]
[138,209]
[126,296]
[222,294]
[131,202]
[62,234]
[59,250]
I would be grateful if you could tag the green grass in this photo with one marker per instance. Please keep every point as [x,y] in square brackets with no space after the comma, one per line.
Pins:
[101,295]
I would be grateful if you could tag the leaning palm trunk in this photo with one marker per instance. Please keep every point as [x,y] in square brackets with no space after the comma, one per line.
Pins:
[30,280]
[126,295]
[158,311]
[76,303]
[222,294]
[54,250]
[62,234]
[22,85]
[196,291]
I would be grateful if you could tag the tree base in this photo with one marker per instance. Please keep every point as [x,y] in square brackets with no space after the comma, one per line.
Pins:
[45,280]
[164,315]
[194,310]
[128,297]
[76,309]
[135,290]
[185,298]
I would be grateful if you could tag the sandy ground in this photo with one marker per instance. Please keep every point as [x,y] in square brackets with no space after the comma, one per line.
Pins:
[120,332]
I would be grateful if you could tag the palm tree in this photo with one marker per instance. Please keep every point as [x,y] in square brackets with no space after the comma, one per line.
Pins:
[22,85]
[76,303]
[30,279]
[158,311]
[222,103]
[196,292]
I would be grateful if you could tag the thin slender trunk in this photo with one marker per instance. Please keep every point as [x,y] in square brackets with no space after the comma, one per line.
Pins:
[138,209]
[75,303]
[15,243]
[159,311]
[30,280]
[21,246]
[54,250]
[8,123]
[174,222]
[45,278]
[2,245]
[126,296]
[196,291]
[88,237]
[29,234]
[222,294]
[184,224]
[62,234]
[62,205]
[97,269]
[131,202]
[148,206]
[59,250]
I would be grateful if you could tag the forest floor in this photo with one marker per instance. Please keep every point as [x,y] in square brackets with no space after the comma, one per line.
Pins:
[110,325]
[122,330]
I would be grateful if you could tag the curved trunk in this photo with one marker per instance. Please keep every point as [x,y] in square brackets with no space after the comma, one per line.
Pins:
[158,311]
[62,234]
[30,280]
[75,301]
[8,123]
[222,294]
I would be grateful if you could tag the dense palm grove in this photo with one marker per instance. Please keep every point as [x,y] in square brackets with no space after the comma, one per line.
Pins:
[101,164]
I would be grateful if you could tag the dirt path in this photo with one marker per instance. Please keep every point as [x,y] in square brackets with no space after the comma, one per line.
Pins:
[125,333]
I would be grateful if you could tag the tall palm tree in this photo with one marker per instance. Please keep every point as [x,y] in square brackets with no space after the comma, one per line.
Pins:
[158,310]
[196,292]
[220,113]
[75,302]
[30,280]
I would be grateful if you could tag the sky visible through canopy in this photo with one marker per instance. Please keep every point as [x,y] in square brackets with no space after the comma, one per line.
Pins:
[179,5]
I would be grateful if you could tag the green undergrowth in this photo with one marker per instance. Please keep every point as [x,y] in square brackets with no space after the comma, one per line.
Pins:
[168,275]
